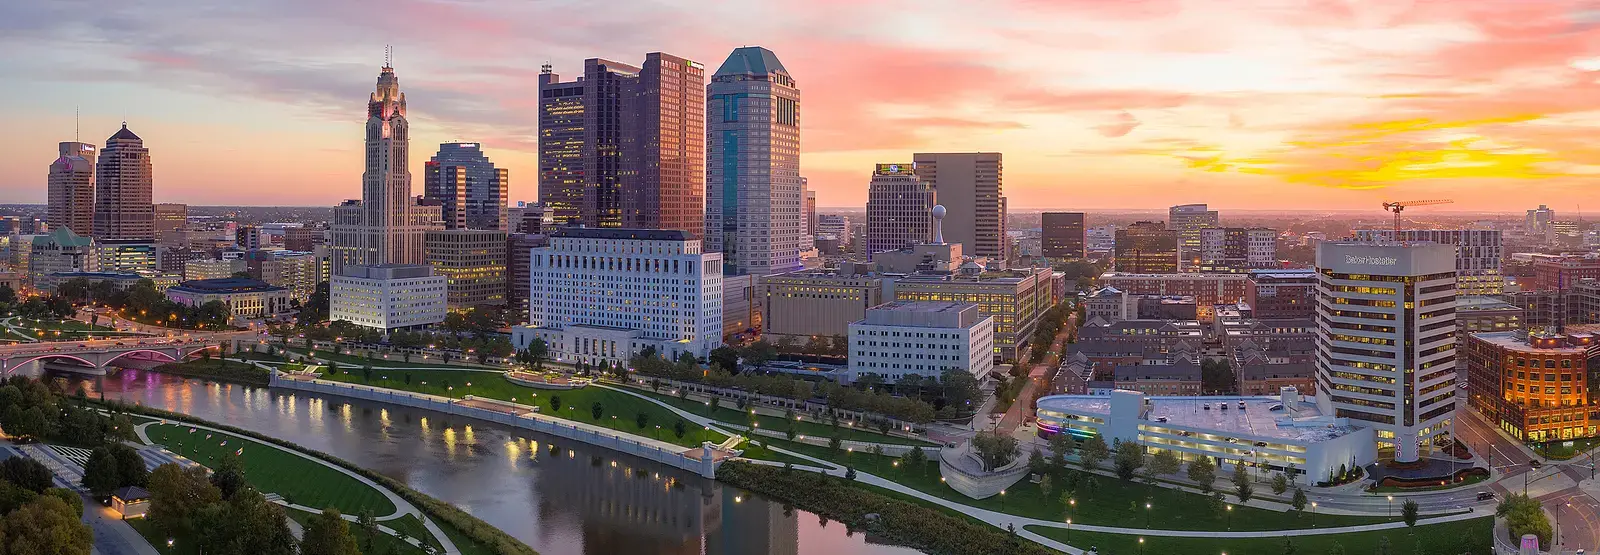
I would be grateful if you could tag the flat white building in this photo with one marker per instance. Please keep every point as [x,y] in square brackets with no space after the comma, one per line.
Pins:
[605,294]
[922,338]
[388,296]
[247,299]
[1386,347]
[1268,433]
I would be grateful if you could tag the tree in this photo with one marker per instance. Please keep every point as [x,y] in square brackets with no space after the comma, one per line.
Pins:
[1288,546]
[328,534]
[597,410]
[1410,511]
[1203,473]
[1280,483]
[369,528]
[177,494]
[555,403]
[641,419]
[1241,482]
[26,473]
[1037,463]
[1130,457]
[1045,486]
[228,476]
[1386,548]
[538,351]
[1061,445]
[994,448]
[916,458]
[1165,462]
[726,358]
[1336,549]
[46,525]
[131,469]
[679,428]
[1299,500]
[1093,452]
[100,475]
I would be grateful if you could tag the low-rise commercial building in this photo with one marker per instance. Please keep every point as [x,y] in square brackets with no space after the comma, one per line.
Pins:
[1284,433]
[922,338]
[195,270]
[801,305]
[60,252]
[1016,299]
[1281,293]
[473,262]
[247,299]
[1178,377]
[1208,290]
[388,296]
[1535,386]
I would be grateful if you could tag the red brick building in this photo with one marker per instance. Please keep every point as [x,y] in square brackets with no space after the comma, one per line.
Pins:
[1551,272]
[1535,386]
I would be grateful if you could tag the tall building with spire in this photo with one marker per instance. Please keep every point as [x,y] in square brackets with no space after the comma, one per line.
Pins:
[753,185]
[387,224]
[471,190]
[123,210]
[70,194]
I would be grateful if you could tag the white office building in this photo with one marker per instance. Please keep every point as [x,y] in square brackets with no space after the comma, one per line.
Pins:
[1478,255]
[1386,348]
[605,294]
[922,338]
[388,296]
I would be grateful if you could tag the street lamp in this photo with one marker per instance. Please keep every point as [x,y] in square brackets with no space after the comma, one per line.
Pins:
[1313,514]
[1002,501]
[1146,517]
[1141,544]
[1391,506]
[1230,517]
[1072,508]
[1069,531]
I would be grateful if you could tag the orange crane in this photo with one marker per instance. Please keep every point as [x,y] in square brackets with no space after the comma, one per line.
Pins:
[1400,205]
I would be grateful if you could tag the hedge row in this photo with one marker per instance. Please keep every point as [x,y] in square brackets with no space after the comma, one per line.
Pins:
[906,523]
[214,369]
[481,532]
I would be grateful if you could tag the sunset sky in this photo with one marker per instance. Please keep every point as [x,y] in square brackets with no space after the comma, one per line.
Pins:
[1094,103]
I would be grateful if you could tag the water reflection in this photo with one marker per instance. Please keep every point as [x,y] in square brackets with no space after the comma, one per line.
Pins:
[560,497]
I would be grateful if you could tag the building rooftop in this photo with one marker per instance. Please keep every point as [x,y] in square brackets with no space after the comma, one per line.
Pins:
[1257,421]
[1576,339]
[124,134]
[921,306]
[751,60]
[621,234]
[1483,303]
[226,285]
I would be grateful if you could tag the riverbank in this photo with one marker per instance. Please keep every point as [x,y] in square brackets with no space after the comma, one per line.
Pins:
[218,370]
[475,536]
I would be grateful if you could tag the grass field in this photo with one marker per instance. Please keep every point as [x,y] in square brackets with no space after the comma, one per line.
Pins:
[50,330]
[381,542]
[1451,538]
[273,470]
[808,426]
[394,360]
[619,410]
[1114,503]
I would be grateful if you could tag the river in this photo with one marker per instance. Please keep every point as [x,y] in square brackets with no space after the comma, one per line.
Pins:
[560,497]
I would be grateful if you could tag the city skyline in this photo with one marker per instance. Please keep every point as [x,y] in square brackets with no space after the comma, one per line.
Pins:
[1353,103]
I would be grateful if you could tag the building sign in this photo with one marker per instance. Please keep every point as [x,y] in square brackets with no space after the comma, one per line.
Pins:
[1370,260]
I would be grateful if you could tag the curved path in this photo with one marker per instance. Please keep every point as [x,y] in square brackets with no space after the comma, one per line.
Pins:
[402,507]
[1020,523]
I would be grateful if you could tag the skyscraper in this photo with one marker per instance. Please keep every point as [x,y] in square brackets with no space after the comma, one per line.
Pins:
[667,154]
[899,209]
[970,188]
[170,220]
[1062,234]
[1386,348]
[1188,220]
[810,222]
[624,145]
[1147,248]
[122,206]
[471,190]
[386,225]
[753,198]
[70,196]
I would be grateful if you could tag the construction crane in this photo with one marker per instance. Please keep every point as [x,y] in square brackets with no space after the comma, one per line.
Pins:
[1398,206]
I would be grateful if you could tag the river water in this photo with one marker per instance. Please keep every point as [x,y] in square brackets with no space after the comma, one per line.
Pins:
[558,496]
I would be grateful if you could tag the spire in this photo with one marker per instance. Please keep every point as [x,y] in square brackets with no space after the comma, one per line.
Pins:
[388,57]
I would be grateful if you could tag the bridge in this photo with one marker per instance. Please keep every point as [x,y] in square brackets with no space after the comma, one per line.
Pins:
[100,353]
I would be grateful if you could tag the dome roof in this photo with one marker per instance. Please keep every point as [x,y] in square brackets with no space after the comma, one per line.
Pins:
[124,134]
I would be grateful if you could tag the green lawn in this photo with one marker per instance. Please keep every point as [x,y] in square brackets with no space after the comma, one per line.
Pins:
[1559,450]
[1113,503]
[394,360]
[69,329]
[381,542]
[807,425]
[1474,536]
[158,539]
[273,470]
[575,403]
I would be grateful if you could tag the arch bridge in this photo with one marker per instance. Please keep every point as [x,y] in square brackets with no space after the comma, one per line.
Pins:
[100,353]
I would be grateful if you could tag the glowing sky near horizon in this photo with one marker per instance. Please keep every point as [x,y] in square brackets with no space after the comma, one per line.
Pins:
[1095,103]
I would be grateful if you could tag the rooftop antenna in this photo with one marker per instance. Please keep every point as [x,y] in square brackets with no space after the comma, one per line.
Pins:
[388,55]
[75,125]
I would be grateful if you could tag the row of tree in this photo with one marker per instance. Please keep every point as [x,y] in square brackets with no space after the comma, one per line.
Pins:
[143,303]
[36,518]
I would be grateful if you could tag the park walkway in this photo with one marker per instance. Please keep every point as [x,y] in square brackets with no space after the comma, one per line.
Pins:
[1006,521]
[402,507]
